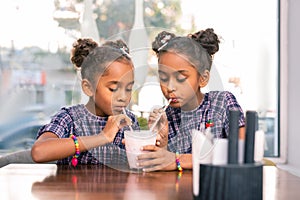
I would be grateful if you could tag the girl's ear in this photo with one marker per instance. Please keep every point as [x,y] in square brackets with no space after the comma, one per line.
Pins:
[204,78]
[87,87]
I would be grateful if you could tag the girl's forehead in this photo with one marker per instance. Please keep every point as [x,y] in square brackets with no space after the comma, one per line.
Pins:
[173,61]
[173,58]
[118,69]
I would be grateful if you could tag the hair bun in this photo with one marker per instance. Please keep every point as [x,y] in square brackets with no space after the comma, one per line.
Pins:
[208,40]
[162,39]
[118,44]
[81,48]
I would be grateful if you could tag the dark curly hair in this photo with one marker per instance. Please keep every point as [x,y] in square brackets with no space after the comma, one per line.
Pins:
[198,48]
[93,59]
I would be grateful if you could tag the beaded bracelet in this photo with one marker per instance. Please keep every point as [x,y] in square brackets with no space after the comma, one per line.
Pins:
[178,162]
[77,152]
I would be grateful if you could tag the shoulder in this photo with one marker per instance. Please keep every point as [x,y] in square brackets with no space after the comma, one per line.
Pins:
[222,96]
[223,100]
[74,109]
[61,122]
[68,114]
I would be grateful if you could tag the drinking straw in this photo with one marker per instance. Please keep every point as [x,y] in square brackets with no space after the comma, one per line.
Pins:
[124,112]
[164,109]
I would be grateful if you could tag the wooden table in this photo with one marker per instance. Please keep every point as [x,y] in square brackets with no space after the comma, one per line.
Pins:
[48,181]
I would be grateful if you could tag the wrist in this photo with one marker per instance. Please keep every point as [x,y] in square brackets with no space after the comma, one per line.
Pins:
[105,137]
[177,161]
[77,151]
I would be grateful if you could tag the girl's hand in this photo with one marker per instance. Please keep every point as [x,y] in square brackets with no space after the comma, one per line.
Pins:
[114,124]
[161,127]
[156,159]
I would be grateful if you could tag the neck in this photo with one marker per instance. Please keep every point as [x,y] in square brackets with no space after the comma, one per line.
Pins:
[194,102]
[91,106]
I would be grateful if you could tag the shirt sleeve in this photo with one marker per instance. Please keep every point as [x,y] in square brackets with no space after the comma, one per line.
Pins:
[232,104]
[60,124]
[135,124]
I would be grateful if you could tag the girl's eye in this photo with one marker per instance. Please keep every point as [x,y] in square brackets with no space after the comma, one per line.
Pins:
[163,78]
[180,78]
[113,89]
[129,87]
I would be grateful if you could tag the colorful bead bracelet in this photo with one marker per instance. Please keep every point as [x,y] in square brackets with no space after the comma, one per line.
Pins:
[178,162]
[77,152]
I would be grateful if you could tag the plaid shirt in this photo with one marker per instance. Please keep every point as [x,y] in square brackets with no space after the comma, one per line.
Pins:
[215,107]
[79,121]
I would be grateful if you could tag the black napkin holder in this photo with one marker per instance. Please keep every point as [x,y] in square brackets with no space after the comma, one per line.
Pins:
[231,182]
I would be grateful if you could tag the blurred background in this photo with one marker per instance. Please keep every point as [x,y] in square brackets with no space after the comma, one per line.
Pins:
[37,77]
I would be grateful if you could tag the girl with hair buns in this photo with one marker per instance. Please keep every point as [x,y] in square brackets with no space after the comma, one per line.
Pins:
[87,134]
[184,65]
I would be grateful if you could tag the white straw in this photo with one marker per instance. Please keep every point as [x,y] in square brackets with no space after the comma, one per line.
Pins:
[164,109]
[124,112]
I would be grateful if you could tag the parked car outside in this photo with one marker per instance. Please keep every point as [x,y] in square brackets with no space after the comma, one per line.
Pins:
[20,137]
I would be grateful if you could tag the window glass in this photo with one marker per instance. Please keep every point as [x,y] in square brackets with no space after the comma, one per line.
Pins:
[37,78]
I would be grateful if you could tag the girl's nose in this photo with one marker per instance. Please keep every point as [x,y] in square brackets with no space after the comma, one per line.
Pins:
[122,95]
[171,86]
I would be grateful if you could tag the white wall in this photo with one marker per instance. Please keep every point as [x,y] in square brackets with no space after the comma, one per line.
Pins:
[293,92]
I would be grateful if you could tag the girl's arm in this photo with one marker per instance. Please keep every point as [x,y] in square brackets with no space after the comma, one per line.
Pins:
[186,159]
[166,160]
[161,159]
[185,162]
[48,147]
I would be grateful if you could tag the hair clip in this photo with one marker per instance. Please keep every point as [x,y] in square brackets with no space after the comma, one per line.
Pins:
[164,41]
[124,52]
[160,48]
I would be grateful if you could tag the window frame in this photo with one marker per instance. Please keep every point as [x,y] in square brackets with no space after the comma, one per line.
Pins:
[282,82]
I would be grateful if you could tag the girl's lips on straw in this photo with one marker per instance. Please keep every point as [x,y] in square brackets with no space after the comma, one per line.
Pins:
[118,109]
[173,100]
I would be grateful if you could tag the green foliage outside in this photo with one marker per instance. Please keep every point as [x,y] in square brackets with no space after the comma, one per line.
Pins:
[143,123]
[117,16]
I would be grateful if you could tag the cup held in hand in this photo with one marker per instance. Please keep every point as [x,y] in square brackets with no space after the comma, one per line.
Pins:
[134,141]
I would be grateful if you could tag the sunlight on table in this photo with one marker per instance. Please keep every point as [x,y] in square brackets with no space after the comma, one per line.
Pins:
[17,187]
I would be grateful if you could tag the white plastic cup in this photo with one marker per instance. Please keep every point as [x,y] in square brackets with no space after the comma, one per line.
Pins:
[134,141]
